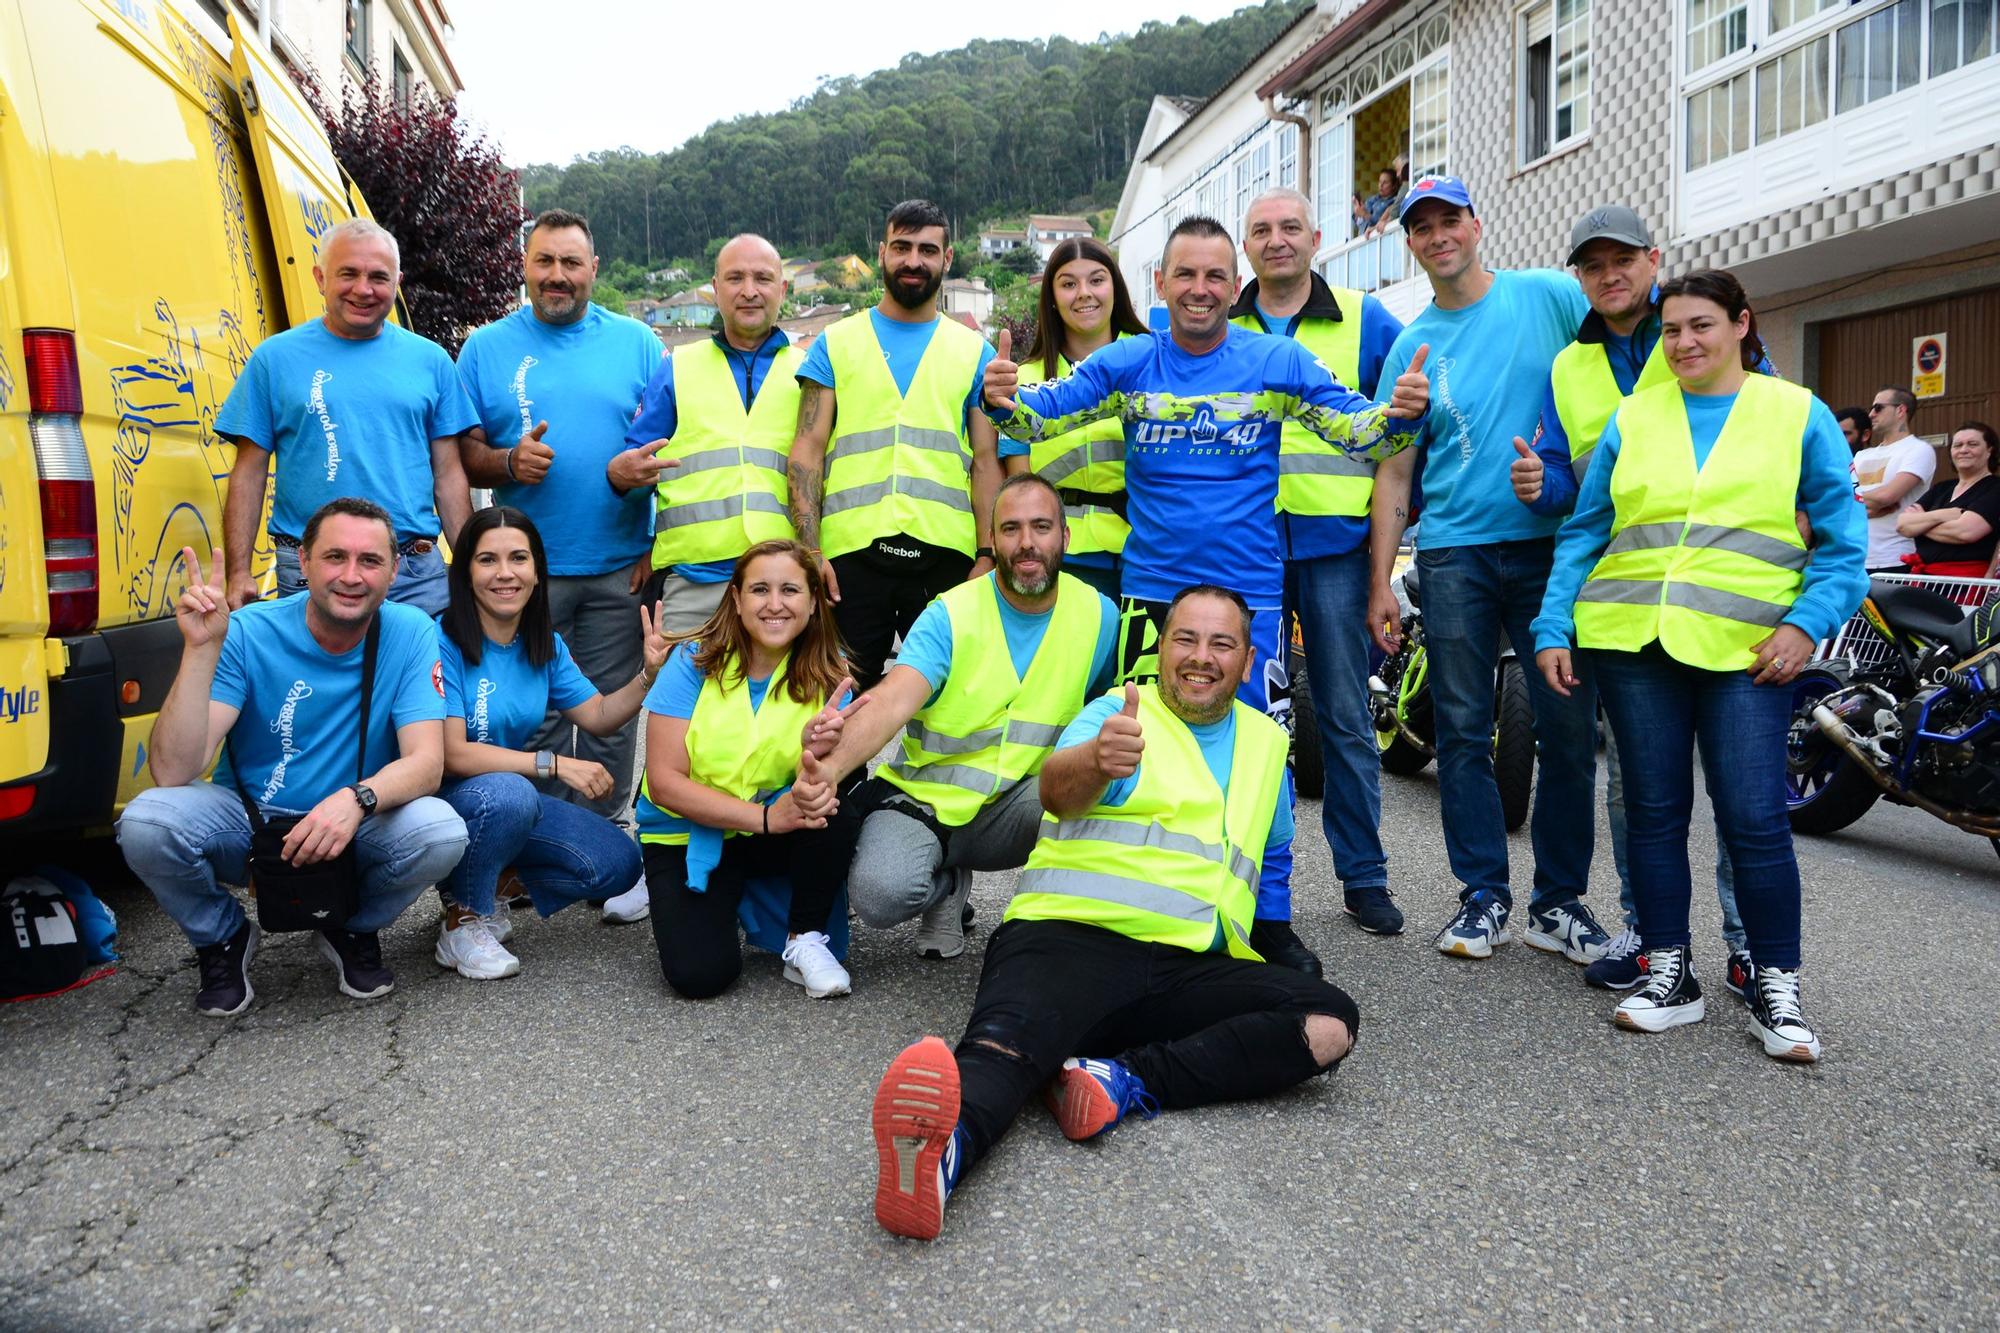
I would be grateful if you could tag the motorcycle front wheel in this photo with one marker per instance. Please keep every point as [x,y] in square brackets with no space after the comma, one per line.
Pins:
[1824,789]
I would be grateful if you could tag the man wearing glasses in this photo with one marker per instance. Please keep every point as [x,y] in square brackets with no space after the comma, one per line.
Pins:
[1889,474]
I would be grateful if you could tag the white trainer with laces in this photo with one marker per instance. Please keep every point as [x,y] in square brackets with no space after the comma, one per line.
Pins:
[471,950]
[501,923]
[809,963]
[635,904]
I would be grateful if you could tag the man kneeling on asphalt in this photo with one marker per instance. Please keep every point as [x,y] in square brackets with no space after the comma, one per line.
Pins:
[1123,979]
[280,681]
[990,674]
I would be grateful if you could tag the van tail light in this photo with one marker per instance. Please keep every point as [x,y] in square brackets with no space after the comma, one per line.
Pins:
[69,495]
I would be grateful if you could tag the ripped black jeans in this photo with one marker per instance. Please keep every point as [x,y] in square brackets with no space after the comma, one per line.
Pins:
[1197,1027]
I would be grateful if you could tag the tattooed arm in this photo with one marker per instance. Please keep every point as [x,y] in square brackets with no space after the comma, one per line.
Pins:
[805,470]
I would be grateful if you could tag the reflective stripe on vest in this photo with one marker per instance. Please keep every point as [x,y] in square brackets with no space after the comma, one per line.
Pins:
[898,463]
[1091,459]
[1180,855]
[1586,394]
[745,754]
[988,728]
[1314,478]
[728,492]
[1707,561]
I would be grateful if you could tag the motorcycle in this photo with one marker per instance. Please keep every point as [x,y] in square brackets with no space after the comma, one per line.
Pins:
[1399,705]
[1911,712]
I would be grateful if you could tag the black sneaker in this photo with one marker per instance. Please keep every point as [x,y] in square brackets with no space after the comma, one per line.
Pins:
[1670,997]
[357,960]
[1777,1015]
[1738,973]
[1372,911]
[1280,944]
[225,973]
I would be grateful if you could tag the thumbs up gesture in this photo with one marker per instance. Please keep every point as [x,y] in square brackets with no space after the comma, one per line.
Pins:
[636,468]
[812,792]
[1002,376]
[531,458]
[1412,395]
[1526,473]
[1119,741]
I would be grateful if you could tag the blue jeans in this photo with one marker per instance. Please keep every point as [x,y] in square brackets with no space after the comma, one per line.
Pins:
[185,842]
[1660,709]
[420,579]
[1471,596]
[1725,876]
[562,852]
[1330,597]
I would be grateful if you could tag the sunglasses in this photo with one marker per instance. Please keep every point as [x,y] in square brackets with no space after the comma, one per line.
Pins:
[1873,408]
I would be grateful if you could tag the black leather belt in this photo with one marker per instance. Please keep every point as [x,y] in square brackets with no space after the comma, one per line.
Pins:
[414,546]
[1112,500]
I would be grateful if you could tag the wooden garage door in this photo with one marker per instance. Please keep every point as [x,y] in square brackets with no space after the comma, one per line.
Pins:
[1858,356]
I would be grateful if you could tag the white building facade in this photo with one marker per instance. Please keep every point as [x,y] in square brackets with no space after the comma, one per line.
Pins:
[403,42]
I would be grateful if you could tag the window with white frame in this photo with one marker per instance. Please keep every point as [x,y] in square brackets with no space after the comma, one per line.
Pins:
[1718,121]
[1715,29]
[1784,13]
[1878,55]
[1430,95]
[1554,75]
[1331,179]
[1260,170]
[1962,31]
[1288,156]
[1242,186]
[1792,90]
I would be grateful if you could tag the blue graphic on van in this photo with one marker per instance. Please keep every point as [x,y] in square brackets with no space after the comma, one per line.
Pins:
[136,12]
[319,218]
[226,133]
[19,703]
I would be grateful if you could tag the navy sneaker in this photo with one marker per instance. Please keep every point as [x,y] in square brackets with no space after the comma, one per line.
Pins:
[1088,1097]
[1373,911]
[1738,973]
[1778,1016]
[357,959]
[1569,930]
[1480,924]
[1623,965]
[225,973]
[1670,997]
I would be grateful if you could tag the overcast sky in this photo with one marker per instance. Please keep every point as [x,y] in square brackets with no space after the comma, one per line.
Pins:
[552,81]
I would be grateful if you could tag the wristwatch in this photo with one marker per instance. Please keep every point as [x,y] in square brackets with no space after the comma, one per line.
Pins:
[365,795]
[545,763]
[983,553]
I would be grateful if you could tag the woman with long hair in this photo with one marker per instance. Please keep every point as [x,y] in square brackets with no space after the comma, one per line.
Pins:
[1684,581]
[1956,524]
[727,770]
[502,668]
[1083,306]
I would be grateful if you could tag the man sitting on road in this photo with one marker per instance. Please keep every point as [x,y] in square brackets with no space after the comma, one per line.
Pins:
[1124,971]
[990,674]
[280,681]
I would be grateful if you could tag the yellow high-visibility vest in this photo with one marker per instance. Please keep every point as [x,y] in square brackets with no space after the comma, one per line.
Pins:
[1315,479]
[1586,394]
[1707,561]
[729,492]
[745,753]
[1089,459]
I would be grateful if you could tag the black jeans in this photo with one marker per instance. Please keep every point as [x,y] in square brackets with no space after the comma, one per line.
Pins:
[696,933]
[881,596]
[1196,1027]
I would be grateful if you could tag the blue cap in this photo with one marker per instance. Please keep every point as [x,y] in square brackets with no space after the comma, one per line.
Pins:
[1444,189]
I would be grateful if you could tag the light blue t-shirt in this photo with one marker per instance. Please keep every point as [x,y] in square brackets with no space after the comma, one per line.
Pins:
[1218,750]
[927,647]
[584,379]
[1835,579]
[679,686]
[903,345]
[348,417]
[504,697]
[295,739]
[1488,367]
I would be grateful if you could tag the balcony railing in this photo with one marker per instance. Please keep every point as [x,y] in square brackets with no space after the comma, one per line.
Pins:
[1367,263]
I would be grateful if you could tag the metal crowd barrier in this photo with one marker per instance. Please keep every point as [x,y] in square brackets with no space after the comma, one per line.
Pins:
[1861,643]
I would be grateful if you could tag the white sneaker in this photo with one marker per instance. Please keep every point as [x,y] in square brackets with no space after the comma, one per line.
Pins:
[635,904]
[811,964]
[941,928]
[472,950]
[501,923]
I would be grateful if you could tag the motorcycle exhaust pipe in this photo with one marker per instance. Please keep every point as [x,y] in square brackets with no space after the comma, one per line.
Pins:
[1850,744]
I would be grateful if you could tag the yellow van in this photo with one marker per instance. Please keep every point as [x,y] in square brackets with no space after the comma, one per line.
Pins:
[162,186]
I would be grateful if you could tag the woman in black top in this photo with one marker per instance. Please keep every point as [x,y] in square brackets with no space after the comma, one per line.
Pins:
[1956,524]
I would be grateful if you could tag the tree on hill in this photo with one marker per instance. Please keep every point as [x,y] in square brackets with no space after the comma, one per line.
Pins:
[991,128]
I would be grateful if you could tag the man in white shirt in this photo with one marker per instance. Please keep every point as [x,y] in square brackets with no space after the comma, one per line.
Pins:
[1890,474]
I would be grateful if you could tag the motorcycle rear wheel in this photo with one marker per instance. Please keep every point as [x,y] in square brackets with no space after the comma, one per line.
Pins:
[1825,791]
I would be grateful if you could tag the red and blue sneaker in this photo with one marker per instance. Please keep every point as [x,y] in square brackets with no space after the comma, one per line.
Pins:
[1088,1097]
[916,1121]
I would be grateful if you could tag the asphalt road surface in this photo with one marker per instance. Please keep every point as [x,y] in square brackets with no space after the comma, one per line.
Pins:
[575,1148]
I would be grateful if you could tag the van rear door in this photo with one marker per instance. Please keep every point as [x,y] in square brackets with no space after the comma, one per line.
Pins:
[304,195]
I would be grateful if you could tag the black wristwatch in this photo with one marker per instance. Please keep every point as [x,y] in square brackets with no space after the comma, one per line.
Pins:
[364,794]
[983,553]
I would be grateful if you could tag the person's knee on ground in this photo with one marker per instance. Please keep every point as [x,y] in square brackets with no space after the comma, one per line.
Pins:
[694,975]
[1328,1038]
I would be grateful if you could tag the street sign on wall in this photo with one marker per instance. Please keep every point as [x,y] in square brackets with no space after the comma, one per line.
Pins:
[1927,354]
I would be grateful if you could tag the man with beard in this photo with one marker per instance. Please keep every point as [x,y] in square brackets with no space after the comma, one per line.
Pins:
[990,674]
[1123,979]
[556,384]
[278,681]
[907,466]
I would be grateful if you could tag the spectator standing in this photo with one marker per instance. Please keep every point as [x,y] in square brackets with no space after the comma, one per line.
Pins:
[1893,470]
[1956,525]
[1853,427]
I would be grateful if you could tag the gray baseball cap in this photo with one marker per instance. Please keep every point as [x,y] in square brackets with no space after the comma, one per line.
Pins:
[1608,222]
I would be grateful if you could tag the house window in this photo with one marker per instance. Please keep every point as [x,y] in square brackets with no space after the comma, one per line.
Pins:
[1430,90]
[1879,55]
[1962,31]
[1715,28]
[402,78]
[1555,75]
[1331,179]
[1792,90]
[1242,186]
[1260,170]
[1718,121]
[1784,13]
[1288,156]
[357,32]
